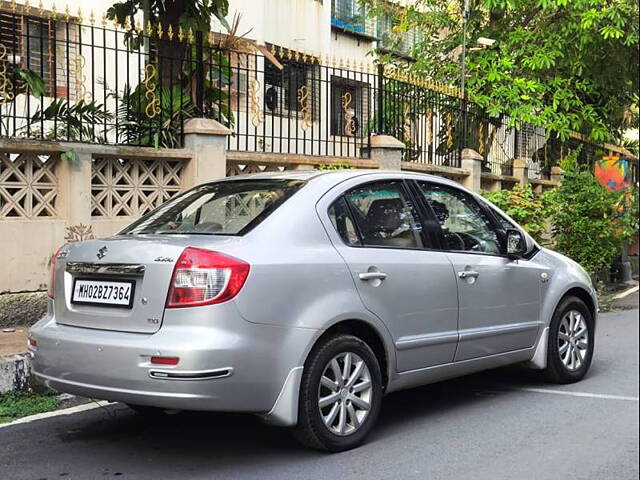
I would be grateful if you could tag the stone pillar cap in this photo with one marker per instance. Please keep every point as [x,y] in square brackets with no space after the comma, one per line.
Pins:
[471,154]
[519,163]
[386,141]
[205,126]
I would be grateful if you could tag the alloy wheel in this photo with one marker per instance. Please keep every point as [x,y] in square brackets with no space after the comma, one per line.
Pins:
[345,393]
[573,340]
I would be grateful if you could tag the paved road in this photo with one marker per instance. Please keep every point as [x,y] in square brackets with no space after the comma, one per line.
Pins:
[497,425]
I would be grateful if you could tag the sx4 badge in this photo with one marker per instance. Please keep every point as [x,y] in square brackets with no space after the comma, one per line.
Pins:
[101,252]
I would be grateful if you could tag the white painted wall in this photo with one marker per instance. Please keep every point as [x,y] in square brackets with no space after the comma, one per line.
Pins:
[299,25]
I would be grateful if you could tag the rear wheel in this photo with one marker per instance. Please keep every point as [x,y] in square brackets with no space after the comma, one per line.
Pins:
[571,342]
[340,395]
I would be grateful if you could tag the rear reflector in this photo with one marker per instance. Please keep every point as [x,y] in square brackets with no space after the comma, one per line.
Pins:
[204,277]
[165,360]
[32,342]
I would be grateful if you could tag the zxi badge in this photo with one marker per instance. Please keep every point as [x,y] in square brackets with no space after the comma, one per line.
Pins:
[102,252]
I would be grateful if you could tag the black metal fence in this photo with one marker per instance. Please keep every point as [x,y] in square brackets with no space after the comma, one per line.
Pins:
[65,80]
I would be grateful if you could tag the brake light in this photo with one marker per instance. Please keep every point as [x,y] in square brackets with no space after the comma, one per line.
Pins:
[204,277]
[52,278]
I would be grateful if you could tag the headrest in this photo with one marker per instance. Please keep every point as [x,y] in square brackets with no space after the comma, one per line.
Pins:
[385,215]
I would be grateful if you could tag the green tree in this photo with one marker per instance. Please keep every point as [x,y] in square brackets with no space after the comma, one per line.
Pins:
[177,80]
[194,14]
[560,64]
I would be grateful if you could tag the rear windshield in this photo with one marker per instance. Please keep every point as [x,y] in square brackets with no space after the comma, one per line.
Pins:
[223,208]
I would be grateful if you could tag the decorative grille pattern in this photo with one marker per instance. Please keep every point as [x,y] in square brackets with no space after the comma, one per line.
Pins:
[28,186]
[239,168]
[123,187]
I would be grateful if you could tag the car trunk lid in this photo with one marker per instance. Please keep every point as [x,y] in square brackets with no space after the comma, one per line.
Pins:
[143,262]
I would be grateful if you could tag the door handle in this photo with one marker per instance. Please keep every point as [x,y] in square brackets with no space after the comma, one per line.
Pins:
[468,274]
[372,276]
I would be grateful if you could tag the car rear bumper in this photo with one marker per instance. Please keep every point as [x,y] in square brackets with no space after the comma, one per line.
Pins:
[226,363]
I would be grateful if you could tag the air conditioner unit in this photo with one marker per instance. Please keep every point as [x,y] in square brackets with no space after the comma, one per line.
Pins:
[273,98]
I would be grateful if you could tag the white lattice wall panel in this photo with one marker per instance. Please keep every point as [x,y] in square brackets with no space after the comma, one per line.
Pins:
[28,186]
[132,187]
[239,168]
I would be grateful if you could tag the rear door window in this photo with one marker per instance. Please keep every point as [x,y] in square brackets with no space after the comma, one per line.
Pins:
[342,222]
[222,208]
[384,215]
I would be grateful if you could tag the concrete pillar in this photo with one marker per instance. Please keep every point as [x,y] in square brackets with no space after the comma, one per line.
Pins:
[521,171]
[557,174]
[207,139]
[472,162]
[627,270]
[74,187]
[494,185]
[387,151]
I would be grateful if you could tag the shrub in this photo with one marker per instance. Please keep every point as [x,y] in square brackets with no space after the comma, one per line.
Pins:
[334,166]
[524,207]
[585,223]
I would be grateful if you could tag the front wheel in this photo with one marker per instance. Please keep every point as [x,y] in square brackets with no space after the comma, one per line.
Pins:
[340,395]
[571,342]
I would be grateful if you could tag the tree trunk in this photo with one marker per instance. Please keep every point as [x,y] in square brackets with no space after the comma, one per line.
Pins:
[173,56]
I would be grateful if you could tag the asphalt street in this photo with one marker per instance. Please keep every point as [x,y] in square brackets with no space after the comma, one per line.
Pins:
[504,424]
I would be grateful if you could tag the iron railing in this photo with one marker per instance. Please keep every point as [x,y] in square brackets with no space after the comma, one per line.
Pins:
[64,80]
[298,104]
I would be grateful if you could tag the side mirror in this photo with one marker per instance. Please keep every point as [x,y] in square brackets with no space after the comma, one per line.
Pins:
[516,243]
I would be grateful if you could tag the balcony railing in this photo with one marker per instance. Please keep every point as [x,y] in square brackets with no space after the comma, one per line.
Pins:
[351,16]
[403,44]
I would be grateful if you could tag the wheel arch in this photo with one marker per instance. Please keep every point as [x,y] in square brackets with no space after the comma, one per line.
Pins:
[369,334]
[583,295]
[285,410]
[539,359]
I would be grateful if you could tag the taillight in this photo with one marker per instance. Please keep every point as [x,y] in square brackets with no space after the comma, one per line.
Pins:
[204,277]
[52,278]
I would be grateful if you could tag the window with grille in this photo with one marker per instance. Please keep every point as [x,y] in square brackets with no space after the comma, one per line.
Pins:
[351,16]
[350,102]
[283,88]
[38,44]
[404,44]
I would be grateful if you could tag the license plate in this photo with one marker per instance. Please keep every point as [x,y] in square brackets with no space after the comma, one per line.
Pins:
[103,292]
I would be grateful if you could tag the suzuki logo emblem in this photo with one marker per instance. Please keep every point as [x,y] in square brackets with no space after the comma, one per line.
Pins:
[102,252]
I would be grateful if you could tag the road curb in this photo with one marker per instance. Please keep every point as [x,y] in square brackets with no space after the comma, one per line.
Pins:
[15,372]
[55,413]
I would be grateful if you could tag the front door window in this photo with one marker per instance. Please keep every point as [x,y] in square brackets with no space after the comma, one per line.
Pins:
[465,226]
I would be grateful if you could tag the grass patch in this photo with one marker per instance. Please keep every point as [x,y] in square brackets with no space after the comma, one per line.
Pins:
[15,405]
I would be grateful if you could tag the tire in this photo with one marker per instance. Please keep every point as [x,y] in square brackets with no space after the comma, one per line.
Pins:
[314,428]
[561,367]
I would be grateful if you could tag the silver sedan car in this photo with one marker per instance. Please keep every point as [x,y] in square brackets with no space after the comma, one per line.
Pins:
[306,296]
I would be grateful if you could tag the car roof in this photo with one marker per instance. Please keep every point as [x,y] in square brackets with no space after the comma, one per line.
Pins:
[337,176]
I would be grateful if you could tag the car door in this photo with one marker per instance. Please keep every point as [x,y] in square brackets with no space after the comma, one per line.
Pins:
[499,298]
[399,277]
